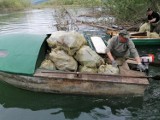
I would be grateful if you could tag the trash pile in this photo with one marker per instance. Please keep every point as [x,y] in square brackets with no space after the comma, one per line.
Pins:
[70,52]
[152,35]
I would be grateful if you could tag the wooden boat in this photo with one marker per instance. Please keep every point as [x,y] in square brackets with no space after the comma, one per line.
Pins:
[139,38]
[21,56]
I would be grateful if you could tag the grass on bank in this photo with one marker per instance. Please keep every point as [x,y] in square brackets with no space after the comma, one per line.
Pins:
[81,3]
[9,5]
[13,5]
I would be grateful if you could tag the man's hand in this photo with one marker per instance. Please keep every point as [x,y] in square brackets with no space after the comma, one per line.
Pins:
[149,21]
[114,63]
[141,67]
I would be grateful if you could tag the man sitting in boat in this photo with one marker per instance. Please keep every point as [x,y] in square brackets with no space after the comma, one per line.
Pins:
[119,48]
[153,21]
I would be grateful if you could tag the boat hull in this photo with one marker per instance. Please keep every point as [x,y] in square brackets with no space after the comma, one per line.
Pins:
[109,86]
[146,41]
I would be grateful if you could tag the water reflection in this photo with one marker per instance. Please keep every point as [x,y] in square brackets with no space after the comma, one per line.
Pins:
[34,21]
[68,105]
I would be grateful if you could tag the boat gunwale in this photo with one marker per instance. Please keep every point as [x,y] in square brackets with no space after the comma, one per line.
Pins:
[108,81]
[145,38]
[93,77]
[28,78]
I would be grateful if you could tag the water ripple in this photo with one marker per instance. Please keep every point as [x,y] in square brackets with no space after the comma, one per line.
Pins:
[35,21]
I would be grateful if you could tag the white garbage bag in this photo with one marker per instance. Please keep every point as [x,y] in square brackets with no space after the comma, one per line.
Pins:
[89,58]
[70,42]
[48,64]
[152,35]
[63,61]
[55,36]
[85,69]
[108,69]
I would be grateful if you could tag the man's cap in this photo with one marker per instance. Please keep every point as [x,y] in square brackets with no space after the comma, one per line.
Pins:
[124,33]
[149,9]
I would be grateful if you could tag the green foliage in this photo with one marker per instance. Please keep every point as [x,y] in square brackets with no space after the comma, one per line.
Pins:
[14,4]
[74,2]
[127,10]
[130,10]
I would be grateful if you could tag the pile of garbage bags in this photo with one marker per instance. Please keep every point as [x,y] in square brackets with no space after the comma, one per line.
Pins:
[152,35]
[70,52]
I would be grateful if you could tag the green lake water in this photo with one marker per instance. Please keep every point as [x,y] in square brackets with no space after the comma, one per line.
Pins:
[18,104]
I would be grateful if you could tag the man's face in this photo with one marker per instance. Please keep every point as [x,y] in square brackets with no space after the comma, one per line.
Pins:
[122,39]
[149,12]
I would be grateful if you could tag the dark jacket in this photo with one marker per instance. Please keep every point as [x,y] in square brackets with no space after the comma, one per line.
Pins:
[154,15]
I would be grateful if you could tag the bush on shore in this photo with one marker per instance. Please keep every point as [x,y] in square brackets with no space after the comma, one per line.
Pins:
[129,10]
[74,2]
[14,4]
